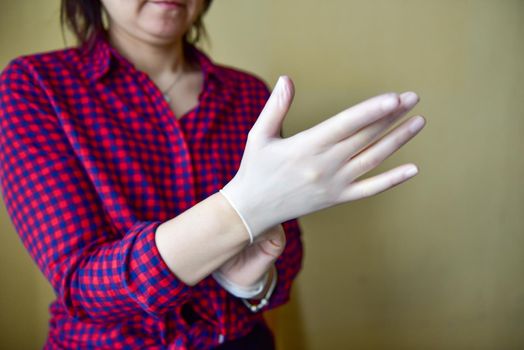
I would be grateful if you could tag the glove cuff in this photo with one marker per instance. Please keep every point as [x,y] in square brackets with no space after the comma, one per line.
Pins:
[249,231]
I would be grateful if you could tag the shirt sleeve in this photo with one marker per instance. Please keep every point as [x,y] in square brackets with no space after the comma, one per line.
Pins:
[98,273]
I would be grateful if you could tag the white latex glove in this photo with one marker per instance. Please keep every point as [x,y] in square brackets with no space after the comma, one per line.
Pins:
[249,266]
[284,178]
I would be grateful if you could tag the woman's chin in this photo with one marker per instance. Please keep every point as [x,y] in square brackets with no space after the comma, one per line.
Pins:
[163,37]
[164,28]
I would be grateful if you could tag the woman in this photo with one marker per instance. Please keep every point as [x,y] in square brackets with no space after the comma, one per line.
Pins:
[153,189]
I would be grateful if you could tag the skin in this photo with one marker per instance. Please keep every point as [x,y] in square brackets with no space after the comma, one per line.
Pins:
[149,34]
[338,151]
[151,22]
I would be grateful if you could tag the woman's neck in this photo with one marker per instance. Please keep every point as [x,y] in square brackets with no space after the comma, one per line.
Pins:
[158,61]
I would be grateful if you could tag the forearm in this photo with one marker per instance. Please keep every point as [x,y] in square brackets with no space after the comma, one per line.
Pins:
[198,241]
[115,279]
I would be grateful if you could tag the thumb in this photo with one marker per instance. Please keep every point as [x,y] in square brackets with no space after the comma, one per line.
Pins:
[269,123]
[274,242]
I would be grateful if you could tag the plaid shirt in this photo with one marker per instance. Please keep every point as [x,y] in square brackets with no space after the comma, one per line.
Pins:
[92,160]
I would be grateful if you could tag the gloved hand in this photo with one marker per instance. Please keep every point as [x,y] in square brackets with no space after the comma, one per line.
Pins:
[249,267]
[284,178]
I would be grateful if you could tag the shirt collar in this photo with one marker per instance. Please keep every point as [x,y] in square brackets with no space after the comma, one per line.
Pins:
[100,59]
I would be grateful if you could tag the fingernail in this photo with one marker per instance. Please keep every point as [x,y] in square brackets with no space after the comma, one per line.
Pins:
[411,172]
[274,242]
[411,98]
[390,103]
[416,124]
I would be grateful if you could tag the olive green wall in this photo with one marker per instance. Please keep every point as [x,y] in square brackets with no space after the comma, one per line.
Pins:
[437,263]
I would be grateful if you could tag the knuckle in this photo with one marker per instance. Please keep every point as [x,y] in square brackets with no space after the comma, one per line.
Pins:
[402,135]
[364,192]
[326,196]
[367,162]
[398,179]
[312,174]
[393,182]
[401,138]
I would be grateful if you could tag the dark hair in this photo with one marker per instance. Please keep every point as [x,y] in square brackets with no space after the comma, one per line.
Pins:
[84,19]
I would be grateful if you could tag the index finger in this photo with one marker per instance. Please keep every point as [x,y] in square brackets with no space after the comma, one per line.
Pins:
[349,121]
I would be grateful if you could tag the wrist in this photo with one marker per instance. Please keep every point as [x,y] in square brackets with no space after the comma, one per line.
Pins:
[265,299]
[228,210]
[271,276]
[242,291]
[253,214]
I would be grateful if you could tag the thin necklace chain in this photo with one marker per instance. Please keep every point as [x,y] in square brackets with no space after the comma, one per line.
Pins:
[164,92]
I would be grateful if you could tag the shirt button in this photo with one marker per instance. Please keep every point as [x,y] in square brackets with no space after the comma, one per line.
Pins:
[220,338]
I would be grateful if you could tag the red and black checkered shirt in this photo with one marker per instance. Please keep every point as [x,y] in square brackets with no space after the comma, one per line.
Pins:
[92,160]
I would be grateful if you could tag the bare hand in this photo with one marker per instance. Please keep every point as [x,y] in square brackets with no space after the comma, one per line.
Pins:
[250,265]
